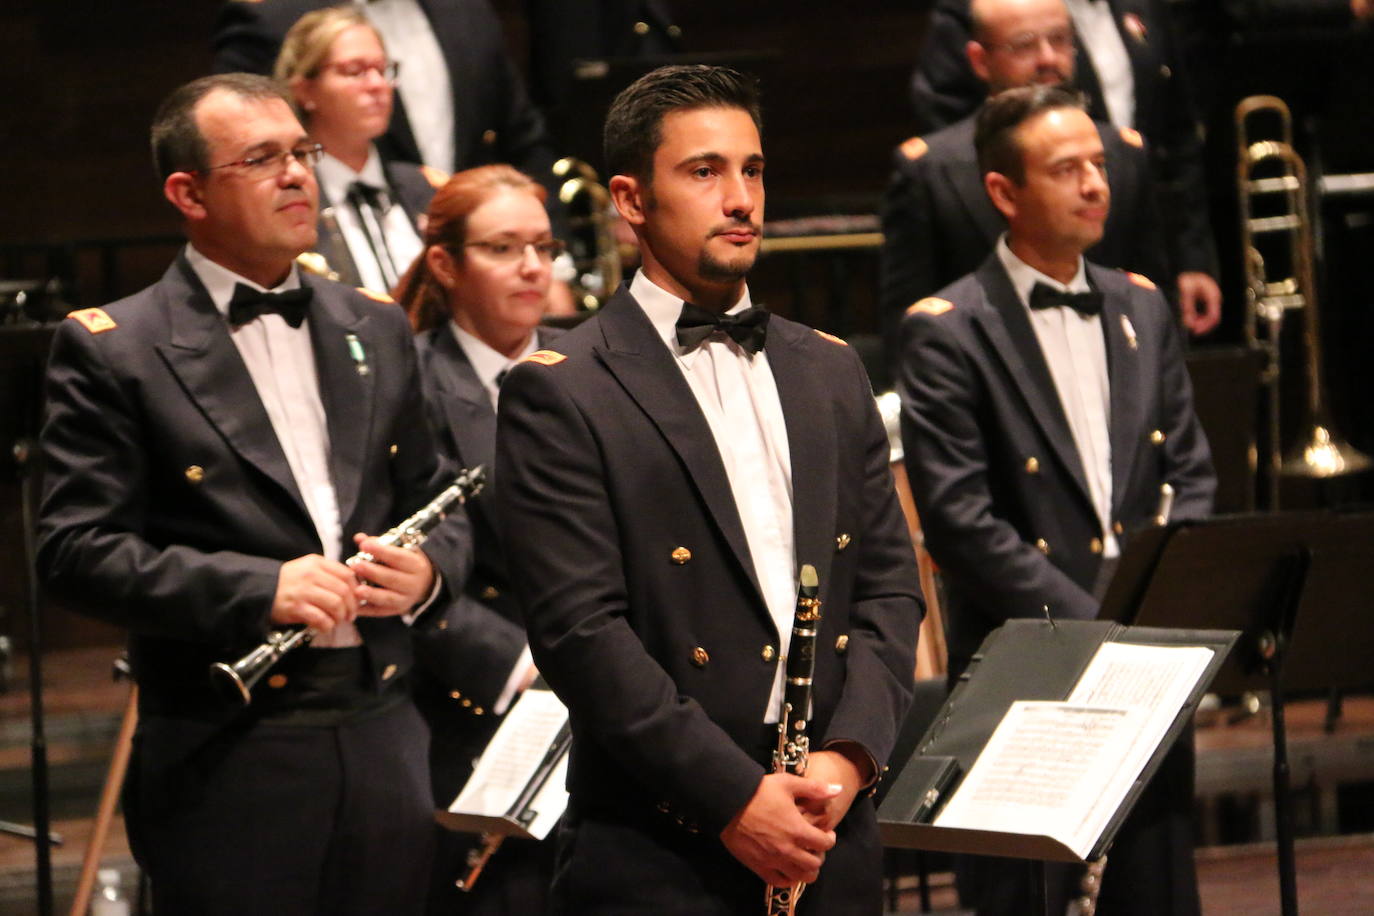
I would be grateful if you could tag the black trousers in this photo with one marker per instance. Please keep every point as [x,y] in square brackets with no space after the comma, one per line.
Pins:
[287,818]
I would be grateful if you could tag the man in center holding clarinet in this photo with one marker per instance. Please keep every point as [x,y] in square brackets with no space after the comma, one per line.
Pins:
[665,474]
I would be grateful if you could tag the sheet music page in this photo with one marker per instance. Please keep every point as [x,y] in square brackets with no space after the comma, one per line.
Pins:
[1062,769]
[1050,769]
[513,755]
[548,806]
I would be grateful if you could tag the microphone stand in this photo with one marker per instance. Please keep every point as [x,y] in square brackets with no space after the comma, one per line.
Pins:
[25,348]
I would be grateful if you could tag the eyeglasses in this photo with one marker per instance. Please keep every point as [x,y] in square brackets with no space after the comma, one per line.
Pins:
[357,69]
[1028,43]
[546,251]
[270,165]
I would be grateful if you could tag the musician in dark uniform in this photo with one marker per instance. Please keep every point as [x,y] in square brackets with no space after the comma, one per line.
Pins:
[938,223]
[461,102]
[1044,404]
[1131,69]
[475,296]
[214,446]
[338,70]
[664,470]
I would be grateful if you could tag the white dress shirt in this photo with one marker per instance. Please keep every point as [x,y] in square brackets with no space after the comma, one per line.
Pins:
[739,398]
[1076,351]
[335,179]
[487,362]
[1097,31]
[425,85]
[281,362]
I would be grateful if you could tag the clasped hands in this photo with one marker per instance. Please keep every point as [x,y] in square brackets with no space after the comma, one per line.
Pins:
[785,830]
[321,593]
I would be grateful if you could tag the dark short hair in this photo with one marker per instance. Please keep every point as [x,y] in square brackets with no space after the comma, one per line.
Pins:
[994,133]
[634,124]
[175,137]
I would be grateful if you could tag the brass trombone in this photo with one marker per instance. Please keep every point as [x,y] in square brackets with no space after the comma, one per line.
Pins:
[1279,254]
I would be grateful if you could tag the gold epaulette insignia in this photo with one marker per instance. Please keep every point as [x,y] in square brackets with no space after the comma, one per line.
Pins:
[544,358]
[97,321]
[437,178]
[914,148]
[376,296]
[315,263]
[1131,137]
[930,306]
[1141,280]
[832,338]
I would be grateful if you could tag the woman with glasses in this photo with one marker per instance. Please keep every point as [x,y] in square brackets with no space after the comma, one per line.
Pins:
[336,67]
[475,297]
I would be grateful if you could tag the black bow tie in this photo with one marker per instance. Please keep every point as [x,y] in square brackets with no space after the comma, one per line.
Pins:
[1047,297]
[248,303]
[747,328]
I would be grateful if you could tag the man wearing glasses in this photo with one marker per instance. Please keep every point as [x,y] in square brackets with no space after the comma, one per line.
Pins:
[214,447]
[1130,67]
[938,223]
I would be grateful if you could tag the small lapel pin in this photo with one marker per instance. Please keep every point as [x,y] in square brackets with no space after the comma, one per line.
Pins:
[355,350]
[1129,330]
[1135,27]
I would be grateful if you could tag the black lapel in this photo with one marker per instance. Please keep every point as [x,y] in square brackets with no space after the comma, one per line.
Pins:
[399,140]
[333,248]
[463,399]
[454,39]
[203,357]
[811,444]
[1085,78]
[346,361]
[1124,369]
[636,356]
[1008,329]
[963,176]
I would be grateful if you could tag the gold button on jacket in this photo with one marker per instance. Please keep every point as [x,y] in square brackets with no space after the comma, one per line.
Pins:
[681,555]
[700,657]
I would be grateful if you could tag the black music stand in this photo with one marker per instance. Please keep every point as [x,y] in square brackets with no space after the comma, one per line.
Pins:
[23,358]
[1295,584]
[998,677]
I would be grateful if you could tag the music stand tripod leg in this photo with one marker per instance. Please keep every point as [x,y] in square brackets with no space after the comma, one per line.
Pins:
[109,797]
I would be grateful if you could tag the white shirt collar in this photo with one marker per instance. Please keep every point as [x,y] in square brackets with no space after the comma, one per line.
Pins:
[663,309]
[1024,277]
[487,362]
[335,177]
[219,281]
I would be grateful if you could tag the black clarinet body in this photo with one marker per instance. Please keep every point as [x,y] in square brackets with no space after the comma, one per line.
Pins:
[794,742]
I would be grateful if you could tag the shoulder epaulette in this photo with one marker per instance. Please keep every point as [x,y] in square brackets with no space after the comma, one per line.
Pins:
[930,306]
[1141,280]
[545,357]
[437,178]
[1131,137]
[97,321]
[376,296]
[914,148]
[832,338]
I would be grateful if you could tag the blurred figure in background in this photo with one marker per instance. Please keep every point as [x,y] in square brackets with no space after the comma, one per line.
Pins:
[461,103]
[1131,69]
[337,69]
[475,296]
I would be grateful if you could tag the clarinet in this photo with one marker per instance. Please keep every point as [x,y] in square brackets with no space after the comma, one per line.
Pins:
[236,680]
[793,741]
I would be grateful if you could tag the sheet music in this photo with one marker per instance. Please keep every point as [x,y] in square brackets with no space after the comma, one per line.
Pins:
[513,756]
[1048,769]
[1063,769]
[548,806]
